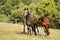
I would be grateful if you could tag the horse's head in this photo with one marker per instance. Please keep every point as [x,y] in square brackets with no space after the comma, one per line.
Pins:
[43,13]
[25,12]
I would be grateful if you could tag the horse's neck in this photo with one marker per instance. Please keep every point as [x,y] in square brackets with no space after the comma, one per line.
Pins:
[43,16]
[27,17]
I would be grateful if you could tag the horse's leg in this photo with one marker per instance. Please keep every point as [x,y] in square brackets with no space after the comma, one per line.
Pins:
[37,28]
[46,30]
[24,23]
[34,29]
[29,30]
[24,28]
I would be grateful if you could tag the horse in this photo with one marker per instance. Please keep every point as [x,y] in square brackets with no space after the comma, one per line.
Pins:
[45,22]
[30,21]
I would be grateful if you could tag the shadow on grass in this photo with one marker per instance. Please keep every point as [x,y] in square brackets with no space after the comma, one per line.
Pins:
[41,35]
[22,33]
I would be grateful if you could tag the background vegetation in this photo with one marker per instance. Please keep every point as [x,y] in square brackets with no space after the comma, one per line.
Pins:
[10,10]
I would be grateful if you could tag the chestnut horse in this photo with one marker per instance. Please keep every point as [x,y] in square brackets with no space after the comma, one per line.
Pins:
[45,23]
[30,21]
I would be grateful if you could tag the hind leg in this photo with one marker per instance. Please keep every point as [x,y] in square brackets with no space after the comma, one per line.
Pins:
[44,31]
[34,29]
[47,31]
[29,30]
[37,28]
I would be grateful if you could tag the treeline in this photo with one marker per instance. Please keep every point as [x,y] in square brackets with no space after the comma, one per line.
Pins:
[10,10]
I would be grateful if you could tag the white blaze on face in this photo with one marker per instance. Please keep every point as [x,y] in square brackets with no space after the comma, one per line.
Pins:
[25,13]
[42,14]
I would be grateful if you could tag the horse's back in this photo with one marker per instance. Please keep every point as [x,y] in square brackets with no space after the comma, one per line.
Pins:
[31,20]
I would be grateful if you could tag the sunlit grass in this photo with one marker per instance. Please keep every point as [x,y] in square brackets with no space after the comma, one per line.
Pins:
[10,31]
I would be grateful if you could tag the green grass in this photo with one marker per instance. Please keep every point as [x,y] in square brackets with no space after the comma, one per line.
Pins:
[10,31]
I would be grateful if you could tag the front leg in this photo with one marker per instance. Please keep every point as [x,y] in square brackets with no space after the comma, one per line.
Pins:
[24,27]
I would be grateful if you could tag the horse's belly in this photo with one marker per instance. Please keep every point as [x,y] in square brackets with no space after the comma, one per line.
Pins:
[31,22]
[28,23]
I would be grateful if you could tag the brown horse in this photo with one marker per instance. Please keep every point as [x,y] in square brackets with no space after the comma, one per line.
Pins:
[30,21]
[45,23]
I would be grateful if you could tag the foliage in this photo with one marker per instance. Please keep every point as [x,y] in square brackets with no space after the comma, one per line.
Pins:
[12,9]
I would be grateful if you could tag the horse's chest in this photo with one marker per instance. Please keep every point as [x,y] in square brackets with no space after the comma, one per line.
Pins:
[45,21]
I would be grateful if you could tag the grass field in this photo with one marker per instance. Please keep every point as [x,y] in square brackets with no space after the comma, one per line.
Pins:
[10,31]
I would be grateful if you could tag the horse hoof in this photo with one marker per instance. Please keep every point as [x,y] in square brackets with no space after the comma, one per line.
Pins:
[35,34]
[23,32]
[45,35]
[48,34]
[38,31]
[30,34]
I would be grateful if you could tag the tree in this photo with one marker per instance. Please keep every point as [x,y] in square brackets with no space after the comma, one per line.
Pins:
[26,2]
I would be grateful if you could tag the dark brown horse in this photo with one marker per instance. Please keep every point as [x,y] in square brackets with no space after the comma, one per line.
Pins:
[45,23]
[30,21]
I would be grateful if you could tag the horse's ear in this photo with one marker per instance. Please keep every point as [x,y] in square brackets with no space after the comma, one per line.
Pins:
[44,11]
[27,8]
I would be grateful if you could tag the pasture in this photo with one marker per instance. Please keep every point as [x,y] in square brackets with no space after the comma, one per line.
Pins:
[10,31]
